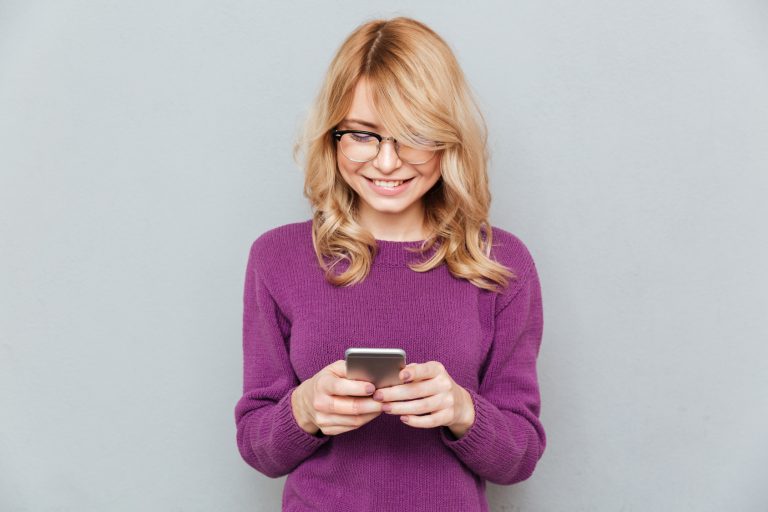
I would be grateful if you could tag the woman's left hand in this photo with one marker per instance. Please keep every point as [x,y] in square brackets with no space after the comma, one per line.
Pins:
[432,393]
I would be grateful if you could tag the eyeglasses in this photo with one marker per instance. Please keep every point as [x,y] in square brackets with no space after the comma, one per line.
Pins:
[361,146]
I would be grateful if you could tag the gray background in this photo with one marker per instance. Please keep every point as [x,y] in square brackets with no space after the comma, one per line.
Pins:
[144,145]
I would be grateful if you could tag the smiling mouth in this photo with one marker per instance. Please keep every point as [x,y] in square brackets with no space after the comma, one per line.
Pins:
[389,183]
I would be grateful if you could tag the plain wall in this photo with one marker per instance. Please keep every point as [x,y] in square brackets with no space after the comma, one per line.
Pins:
[144,145]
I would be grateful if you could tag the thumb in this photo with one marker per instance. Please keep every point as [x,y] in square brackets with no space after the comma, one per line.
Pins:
[338,368]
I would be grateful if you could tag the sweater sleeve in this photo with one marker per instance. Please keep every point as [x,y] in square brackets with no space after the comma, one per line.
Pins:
[506,440]
[268,436]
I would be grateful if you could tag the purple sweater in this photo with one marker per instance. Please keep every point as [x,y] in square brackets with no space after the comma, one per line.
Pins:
[295,323]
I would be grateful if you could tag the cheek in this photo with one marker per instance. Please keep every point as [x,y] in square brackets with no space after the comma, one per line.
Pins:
[345,166]
[349,174]
[434,172]
[437,163]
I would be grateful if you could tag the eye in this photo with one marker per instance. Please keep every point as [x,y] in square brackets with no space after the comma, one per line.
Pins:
[361,137]
[423,141]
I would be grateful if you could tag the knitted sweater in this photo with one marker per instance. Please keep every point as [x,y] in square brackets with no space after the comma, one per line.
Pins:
[295,323]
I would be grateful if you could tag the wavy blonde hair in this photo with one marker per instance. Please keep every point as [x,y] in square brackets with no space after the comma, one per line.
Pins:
[417,87]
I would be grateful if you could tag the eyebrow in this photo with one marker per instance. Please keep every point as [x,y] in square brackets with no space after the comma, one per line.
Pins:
[364,123]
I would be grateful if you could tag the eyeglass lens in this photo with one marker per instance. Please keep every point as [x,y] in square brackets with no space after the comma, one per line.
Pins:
[361,147]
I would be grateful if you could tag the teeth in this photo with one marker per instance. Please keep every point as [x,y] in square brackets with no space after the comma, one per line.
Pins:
[388,184]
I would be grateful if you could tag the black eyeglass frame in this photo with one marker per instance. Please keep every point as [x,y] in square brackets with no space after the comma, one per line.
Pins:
[337,134]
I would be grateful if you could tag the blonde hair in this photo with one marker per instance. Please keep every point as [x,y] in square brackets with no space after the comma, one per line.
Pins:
[417,87]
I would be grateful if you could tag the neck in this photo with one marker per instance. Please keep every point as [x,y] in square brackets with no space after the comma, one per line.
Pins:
[401,226]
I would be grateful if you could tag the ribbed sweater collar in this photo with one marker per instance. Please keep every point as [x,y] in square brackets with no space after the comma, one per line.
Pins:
[392,253]
[395,253]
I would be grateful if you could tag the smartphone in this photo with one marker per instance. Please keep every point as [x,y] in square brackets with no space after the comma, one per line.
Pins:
[381,366]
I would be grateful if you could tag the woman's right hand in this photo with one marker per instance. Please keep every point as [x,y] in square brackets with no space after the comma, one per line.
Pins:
[333,404]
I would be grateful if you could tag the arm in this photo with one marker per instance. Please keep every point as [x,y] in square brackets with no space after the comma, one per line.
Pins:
[506,440]
[268,435]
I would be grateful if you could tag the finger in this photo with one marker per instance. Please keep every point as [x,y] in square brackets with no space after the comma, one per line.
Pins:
[407,373]
[338,368]
[423,371]
[350,405]
[330,420]
[407,391]
[351,387]
[331,384]
[436,419]
[422,406]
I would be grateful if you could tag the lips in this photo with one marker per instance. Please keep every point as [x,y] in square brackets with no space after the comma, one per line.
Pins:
[388,179]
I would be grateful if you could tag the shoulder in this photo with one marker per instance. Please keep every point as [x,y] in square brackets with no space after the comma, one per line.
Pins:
[509,250]
[280,244]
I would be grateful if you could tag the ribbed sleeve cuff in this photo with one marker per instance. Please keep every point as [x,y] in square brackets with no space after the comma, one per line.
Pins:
[289,440]
[472,447]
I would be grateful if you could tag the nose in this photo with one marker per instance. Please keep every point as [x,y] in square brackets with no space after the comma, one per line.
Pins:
[387,160]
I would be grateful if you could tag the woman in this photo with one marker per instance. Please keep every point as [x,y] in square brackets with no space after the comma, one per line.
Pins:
[398,253]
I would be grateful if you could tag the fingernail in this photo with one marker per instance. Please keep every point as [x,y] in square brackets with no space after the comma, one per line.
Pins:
[386,407]
[378,396]
[404,418]
[406,376]
[370,388]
